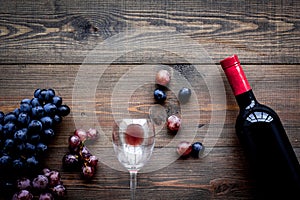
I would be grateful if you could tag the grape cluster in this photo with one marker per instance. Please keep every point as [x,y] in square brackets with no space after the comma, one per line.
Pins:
[79,156]
[45,186]
[25,134]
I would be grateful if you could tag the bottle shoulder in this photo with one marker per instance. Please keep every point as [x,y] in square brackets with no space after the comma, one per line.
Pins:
[257,113]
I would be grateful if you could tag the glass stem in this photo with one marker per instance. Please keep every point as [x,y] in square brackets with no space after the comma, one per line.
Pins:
[133,180]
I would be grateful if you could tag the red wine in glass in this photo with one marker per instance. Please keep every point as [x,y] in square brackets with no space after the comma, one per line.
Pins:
[134,135]
[133,142]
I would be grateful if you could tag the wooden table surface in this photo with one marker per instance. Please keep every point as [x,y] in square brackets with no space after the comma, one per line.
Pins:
[51,44]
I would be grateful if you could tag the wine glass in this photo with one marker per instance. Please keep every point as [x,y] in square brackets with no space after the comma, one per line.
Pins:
[133,142]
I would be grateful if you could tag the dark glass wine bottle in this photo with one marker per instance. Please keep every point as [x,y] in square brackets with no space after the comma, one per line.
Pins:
[272,159]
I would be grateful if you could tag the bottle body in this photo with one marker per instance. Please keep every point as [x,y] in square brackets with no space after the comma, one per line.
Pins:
[273,161]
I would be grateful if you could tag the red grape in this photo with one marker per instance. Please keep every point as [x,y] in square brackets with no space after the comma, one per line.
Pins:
[88,172]
[22,195]
[40,182]
[163,77]
[93,160]
[82,134]
[173,123]
[92,134]
[46,196]
[74,141]
[54,178]
[184,148]
[59,190]
[23,184]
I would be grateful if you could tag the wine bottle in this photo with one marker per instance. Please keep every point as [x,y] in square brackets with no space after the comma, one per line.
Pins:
[272,159]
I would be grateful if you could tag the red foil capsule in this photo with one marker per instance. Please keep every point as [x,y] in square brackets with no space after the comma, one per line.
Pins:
[235,74]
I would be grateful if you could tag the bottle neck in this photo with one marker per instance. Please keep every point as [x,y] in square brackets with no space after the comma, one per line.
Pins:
[237,79]
[246,100]
[238,82]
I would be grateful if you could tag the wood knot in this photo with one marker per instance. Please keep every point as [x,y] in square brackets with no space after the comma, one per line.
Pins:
[223,186]
[82,28]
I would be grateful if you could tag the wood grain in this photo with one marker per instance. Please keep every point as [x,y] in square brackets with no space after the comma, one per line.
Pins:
[50,43]
[66,31]
[223,173]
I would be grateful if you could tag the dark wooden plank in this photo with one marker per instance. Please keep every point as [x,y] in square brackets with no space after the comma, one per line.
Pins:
[269,83]
[223,173]
[66,31]
[209,178]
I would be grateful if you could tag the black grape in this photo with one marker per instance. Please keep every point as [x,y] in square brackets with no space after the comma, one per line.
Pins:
[25,134]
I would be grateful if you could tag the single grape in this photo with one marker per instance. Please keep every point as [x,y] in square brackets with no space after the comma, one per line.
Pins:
[54,178]
[173,123]
[41,148]
[82,134]
[92,134]
[18,165]
[40,182]
[50,109]
[25,107]
[88,172]
[57,119]
[48,134]
[57,100]
[37,112]
[22,195]
[42,95]
[70,162]
[20,136]
[184,148]
[197,149]
[59,191]
[9,130]
[85,153]
[93,161]
[5,162]
[35,102]
[46,196]
[23,119]
[29,149]
[9,145]
[32,163]
[159,95]
[163,77]
[184,95]
[74,141]
[47,122]
[10,117]
[50,93]
[63,110]
[37,93]
[35,126]
[24,184]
